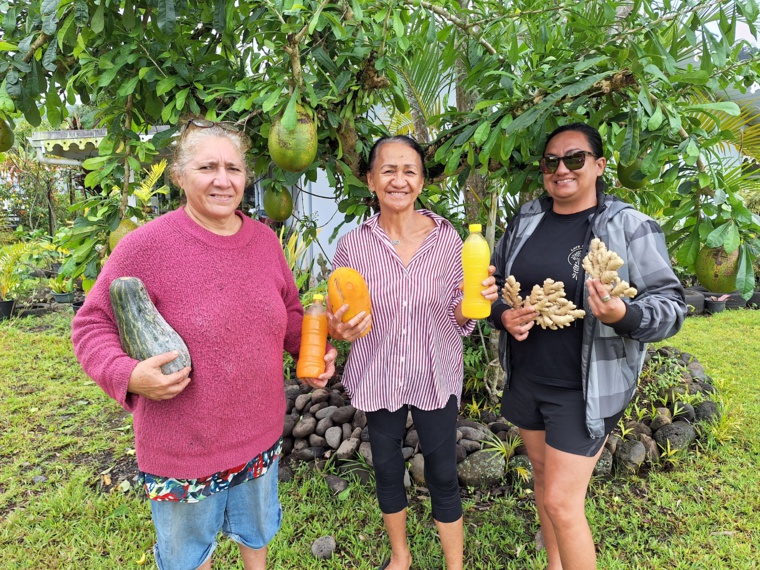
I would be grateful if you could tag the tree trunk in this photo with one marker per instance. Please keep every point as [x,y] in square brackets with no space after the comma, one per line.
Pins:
[52,221]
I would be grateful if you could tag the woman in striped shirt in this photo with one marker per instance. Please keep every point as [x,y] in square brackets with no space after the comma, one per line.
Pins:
[412,357]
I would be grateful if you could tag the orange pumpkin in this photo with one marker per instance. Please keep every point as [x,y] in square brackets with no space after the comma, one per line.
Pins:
[346,286]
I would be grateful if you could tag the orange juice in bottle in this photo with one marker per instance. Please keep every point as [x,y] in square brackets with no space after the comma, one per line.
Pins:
[311,360]
[476,257]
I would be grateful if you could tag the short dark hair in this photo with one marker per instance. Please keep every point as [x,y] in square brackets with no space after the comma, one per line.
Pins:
[592,136]
[401,139]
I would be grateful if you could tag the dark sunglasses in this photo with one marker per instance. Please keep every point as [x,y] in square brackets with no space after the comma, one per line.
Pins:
[206,124]
[573,161]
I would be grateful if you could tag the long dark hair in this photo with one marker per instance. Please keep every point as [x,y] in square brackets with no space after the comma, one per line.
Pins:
[593,138]
[401,139]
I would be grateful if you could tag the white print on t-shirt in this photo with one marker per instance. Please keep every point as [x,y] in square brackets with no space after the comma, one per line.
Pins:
[574,259]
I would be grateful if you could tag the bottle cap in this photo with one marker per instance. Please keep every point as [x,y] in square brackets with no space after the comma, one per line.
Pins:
[476,228]
[318,297]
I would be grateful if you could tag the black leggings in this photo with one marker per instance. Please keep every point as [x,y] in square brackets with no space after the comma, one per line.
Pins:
[438,437]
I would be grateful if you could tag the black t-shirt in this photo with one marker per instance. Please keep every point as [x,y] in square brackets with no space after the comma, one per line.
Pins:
[554,250]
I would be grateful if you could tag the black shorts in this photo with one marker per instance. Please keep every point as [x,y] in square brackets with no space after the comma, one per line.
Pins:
[560,412]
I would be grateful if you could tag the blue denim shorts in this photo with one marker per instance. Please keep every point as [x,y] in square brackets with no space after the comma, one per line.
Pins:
[248,513]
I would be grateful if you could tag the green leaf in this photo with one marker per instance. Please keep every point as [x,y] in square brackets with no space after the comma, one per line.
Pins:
[656,119]
[657,72]
[695,77]
[128,86]
[687,253]
[128,17]
[356,5]
[167,17]
[290,116]
[270,101]
[589,63]
[48,7]
[97,22]
[182,95]
[166,85]
[745,277]
[220,15]
[315,19]
[732,239]
[324,60]
[49,59]
[53,107]
[692,149]
[718,235]
[452,164]
[629,151]
[80,253]
[398,25]
[95,162]
[729,108]
[651,163]
[481,133]
[81,13]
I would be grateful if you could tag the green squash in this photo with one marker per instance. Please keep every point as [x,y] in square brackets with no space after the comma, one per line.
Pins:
[142,329]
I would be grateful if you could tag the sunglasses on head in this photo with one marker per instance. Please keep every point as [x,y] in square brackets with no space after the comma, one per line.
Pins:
[206,124]
[573,161]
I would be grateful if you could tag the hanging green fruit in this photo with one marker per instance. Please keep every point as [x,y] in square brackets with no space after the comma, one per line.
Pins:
[294,150]
[631,175]
[278,204]
[6,136]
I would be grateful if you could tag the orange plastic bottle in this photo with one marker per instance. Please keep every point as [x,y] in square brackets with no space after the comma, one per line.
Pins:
[476,256]
[311,360]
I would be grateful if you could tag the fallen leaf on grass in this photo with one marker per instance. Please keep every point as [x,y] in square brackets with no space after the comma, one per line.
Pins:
[143,559]
[106,479]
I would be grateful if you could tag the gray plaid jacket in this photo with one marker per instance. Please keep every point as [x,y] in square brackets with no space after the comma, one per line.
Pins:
[612,355]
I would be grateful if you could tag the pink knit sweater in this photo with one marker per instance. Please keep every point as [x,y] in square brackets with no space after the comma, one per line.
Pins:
[234,302]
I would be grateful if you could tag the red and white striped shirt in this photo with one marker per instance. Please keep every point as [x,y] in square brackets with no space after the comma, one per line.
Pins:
[413,353]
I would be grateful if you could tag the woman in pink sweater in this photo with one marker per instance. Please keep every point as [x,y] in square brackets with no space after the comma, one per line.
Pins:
[207,439]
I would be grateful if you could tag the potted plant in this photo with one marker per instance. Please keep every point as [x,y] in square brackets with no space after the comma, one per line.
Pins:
[716,304]
[11,256]
[62,288]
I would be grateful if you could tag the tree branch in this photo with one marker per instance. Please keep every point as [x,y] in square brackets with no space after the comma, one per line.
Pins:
[458,22]
[38,43]
[127,171]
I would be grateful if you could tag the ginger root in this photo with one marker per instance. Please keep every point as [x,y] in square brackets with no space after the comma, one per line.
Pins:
[555,311]
[511,293]
[602,264]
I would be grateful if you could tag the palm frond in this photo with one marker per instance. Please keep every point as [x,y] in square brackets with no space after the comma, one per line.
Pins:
[740,133]
[154,175]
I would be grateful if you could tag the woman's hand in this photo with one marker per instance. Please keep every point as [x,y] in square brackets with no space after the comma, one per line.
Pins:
[148,381]
[607,309]
[321,382]
[491,291]
[350,330]
[518,322]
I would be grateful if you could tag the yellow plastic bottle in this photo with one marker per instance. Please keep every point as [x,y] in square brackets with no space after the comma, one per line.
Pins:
[311,360]
[476,257]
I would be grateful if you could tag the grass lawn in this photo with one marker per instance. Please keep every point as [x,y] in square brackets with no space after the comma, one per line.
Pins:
[67,498]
